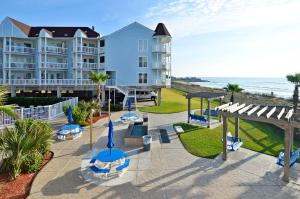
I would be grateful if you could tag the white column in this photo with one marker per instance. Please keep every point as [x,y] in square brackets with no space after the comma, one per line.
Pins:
[98,55]
[45,59]
[9,62]
[4,59]
[81,45]
[39,63]
[75,54]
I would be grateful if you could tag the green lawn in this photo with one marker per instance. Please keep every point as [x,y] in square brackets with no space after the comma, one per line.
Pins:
[173,101]
[203,142]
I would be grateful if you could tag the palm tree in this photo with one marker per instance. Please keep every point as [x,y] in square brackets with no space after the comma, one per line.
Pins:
[99,79]
[5,108]
[295,79]
[233,88]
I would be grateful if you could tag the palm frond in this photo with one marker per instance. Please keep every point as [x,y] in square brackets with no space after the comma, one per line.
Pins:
[7,109]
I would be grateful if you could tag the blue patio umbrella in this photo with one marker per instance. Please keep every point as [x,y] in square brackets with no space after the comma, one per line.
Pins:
[70,117]
[110,143]
[129,104]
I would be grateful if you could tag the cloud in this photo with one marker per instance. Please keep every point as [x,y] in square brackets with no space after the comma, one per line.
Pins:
[194,17]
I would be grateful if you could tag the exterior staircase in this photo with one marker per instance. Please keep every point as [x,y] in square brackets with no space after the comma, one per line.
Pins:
[128,94]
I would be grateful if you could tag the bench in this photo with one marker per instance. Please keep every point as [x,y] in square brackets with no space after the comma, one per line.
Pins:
[294,156]
[213,112]
[120,169]
[198,117]
[233,143]
[100,170]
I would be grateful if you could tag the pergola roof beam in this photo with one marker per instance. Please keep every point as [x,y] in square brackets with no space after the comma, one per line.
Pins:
[231,107]
[281,113]
[253,110]
[237,108]
[259,113]
[223,106]
[271,112]
[245,109]
[289,114]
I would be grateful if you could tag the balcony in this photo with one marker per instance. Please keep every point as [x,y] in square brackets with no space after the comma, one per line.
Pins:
[20,65]
[90,66]
[161,48]
[88,50]
[161,65]
[20,49]
[54,65]
[162,82]
[102,50]
[54,50]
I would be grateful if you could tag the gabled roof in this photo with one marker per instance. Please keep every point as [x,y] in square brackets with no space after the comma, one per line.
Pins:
[23,27]
[54,31]
[161,30]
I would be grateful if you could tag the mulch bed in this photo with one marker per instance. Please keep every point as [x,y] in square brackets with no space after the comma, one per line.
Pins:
[19,188]
[96,118]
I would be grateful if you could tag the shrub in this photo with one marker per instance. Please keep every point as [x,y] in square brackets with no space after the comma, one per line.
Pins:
[79,116]
[32,162]
[16,144]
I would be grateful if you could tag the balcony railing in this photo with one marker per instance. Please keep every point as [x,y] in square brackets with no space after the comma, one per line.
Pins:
[161,65]
[102,50]
[54,50]
[20,49]
[54,65]
[161,48]
[54,82]
[87,50]
[90,66]
[162,82]
[20,65]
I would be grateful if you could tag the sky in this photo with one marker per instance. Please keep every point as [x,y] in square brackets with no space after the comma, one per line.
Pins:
[211,38]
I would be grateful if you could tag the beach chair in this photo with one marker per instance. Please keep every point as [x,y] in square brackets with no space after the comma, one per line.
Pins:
[294,156]
[122,168]
[213,112]
[233,143]
[198,117]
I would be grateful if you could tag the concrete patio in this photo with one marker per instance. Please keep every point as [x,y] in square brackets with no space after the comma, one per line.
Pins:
[167,171]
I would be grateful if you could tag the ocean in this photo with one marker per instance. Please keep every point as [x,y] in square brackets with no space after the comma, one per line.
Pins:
[279,86]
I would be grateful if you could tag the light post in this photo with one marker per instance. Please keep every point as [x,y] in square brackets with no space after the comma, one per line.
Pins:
[91,129]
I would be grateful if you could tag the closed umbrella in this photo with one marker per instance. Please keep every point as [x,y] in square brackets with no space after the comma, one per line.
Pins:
[70,117]
[129,105]
[110,143]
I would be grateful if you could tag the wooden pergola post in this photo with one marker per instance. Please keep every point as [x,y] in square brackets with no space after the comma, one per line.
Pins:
[287,150]
[220,116]
[201,106]
[189,109]
[208,114]
[224,138]
[237,127]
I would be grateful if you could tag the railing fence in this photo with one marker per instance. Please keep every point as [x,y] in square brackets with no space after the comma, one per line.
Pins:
[39,112]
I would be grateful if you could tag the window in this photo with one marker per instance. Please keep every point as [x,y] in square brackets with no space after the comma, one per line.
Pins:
[102,43]
[91,60]
[102,59]
[143,45]
[28,76]
[143,78]
[143,61]
[28,45]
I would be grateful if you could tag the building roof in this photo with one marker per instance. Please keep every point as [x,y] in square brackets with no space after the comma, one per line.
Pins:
[55,31]
[161,30]
[206,95]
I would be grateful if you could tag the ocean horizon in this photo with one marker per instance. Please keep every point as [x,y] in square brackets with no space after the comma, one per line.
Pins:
[279,86]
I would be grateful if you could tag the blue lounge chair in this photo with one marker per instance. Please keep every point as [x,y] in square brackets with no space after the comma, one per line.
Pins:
[233,143]
[294,156]
[198,117]
[120,169]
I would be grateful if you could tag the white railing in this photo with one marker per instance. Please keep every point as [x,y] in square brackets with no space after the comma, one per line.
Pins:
[39,112]
[54,65]
[20,65]
[90,66]
[87,50]
[54,50]
[20,49]
[54,82]
[162,82]
[161,65]
[161,48]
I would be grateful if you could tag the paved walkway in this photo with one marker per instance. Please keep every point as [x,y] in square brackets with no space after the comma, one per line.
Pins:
[168,171]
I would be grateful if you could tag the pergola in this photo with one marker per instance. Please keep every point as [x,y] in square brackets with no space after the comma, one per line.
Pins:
[283,117]
[209,97]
